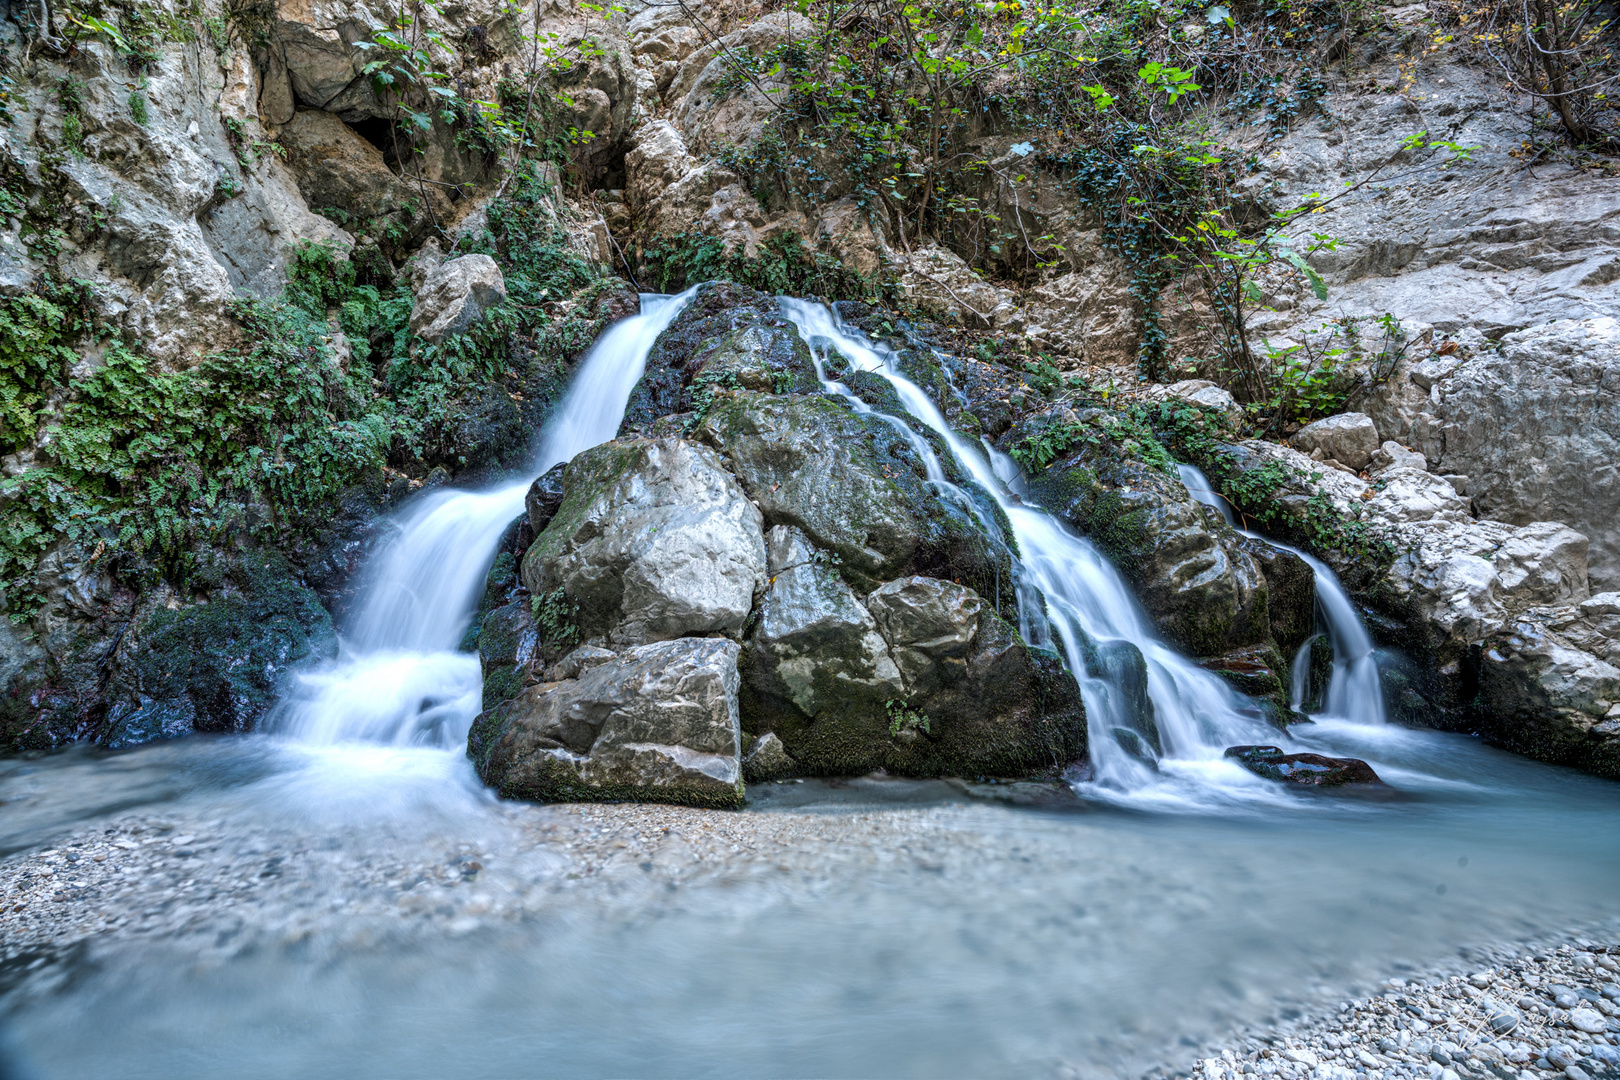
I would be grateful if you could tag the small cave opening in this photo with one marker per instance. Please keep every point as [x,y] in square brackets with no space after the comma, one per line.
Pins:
[377,131]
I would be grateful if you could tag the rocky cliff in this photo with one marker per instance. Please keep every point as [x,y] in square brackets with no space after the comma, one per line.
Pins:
[270,269]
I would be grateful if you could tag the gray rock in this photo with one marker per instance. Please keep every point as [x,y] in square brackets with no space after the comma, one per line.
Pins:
[785,548]
[658,723]
[653,540]
[1588,1020]
[818,647]
[454,296]
[1350,438]
[927,623]
[855,486]
[768,760]
[578,662]
[1393,455]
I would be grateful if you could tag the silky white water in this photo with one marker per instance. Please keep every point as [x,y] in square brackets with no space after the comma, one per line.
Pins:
[399,678]
[1090,606]
[1354,693]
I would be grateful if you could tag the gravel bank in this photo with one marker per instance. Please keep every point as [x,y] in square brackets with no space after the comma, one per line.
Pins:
[1537,1015]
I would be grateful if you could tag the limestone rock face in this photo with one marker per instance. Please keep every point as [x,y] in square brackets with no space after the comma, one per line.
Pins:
[658,722]
[1348,438]
[1508,638]
[1550,684]
[653,540]
[1536,430]
[454,296]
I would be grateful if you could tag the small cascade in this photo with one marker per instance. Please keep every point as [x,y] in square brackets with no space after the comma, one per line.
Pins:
[1158,724]
[399,678]
[1354,691]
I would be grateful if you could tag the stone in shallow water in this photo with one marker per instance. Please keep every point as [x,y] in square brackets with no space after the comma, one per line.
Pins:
[1309,770]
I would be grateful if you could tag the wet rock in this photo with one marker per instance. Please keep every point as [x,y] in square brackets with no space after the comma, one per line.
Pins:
[1309,770]
[658,723]
[728,337]
[1123,671]
[508,641]
[1290,594]
[978,701]
[857,487]
[929,625]
[817,647]
[454,295]
[767,760]
[578,662]
[653,540]
[545,495]
[1203,588]
[1350,438]
[1258,671]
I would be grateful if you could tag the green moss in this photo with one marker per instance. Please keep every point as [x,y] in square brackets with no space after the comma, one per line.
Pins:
[782,267]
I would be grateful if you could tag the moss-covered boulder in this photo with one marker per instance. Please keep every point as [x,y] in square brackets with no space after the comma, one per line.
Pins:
[216,666]
[653,540]
[920,679]
[657,723]
[1205,591]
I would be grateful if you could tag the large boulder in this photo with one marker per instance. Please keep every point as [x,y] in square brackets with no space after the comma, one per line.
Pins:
[943,687]
[654,539]
[1351,439]
[818,647]
[453,296]
[1550,685]
[858,486]
[728,336]
[658,723]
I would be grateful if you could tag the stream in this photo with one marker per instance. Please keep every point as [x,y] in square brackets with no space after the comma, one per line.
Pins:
[339,896]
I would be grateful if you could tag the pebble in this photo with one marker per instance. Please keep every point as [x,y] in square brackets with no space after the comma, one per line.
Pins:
[1455,1027]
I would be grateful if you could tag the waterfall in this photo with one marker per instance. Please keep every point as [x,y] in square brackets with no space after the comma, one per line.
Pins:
[1354,692]
[1093,616]
[399,678]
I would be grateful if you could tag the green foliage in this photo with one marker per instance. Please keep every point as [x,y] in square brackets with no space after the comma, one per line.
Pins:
[1198,435]
[37,333]
[152,466]
[556,616]
[783,266]
[705,389]
[903,718]
[1125,432]
[70,95]
[137,105]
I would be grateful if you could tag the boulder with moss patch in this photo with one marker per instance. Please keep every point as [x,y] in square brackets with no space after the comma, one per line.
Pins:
[657,723]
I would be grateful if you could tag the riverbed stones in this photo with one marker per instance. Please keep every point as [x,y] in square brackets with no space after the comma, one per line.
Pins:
[658,722]
[1348,438]
[1305,770]
[653,540]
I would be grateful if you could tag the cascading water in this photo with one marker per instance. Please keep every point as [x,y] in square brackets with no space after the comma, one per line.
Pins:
[1094,616]
[1354,692]
[399,678]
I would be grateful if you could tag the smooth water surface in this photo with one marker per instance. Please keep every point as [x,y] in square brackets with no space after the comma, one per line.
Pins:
[942,939]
